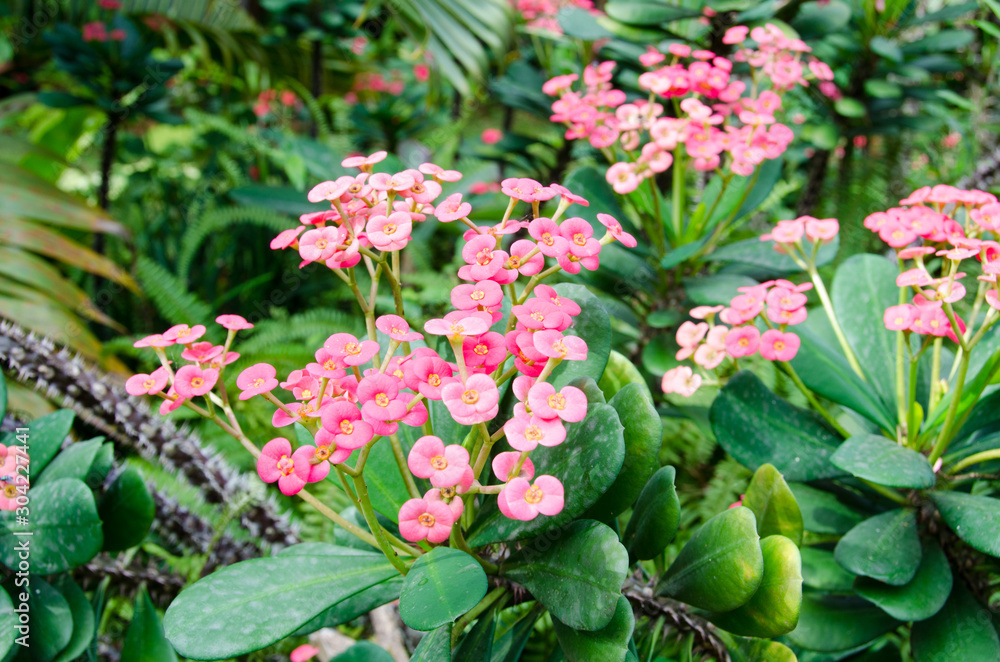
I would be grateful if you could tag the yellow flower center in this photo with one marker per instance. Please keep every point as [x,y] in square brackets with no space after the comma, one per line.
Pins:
[306,394]
[322,453]
[537,316]
[426,519]
[448,492]
[534,494]
[778,346]
[382,400]
[560,347]
[148,384]
[352,348]
[346,426]
[389,228]
[434,380]
[481,349]
[579,239]
[484,257]
[470,397]
[547,239]
[285,465]
[557,401]
[477,295]
[514,262]
[321,244]
[439,462]
[743,342]
[197,382]
[533,433]
[257,383]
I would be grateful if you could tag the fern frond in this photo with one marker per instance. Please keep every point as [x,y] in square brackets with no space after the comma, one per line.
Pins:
[310,325]
[169,294]
[315,109]
[218,220]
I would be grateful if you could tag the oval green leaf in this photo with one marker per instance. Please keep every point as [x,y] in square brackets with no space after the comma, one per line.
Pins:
[609,644]
[84,627]
[823,512]
[774,505]
[144,640]
[836,623]
[441,586]
[922,597]
[961,632]
[576,572]
[756,427]
[885,547]
[434,647]
[654,520]
[974,519]
[73,462]
[594,326]
[618,373]
[208,620]
[45,436]
[820,570]
[51,620]
[884,462]
[126,511]
[774,608]
[65,529]
[8,620]
[721,567]
[643,436]
[590,457]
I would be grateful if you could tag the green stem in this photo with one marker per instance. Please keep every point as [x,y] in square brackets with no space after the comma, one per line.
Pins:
[365,506]
[472,615]
[657,233]
[404,470]
[824,298]
[812,399]
[911,421]
[975,458]
[885,491]
[935,395]
[677,196]
[901,401]
[941,445]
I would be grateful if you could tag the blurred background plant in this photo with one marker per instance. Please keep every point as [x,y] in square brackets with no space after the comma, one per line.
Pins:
[150,151]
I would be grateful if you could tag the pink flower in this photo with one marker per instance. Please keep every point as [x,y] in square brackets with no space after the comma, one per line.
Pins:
[444,465]
[704,312]
[284,239]
[526,190]
[201,352]
[428,375]
[184,334]
[257,379]
[524,500]
[155,340]
[579,234]
[896,234]
[191,381]
[546,232]
[681,380]
[569,404]
[396,328]
[484,353]
[778,346]
[452,209]
[319,245]
[548,293]
[390,233]
[400,181]
[525,432]
[742,341]
[623,178]
[492,136]
[900,318]
[277,462]
[555,345]
[615,230]
[476,401]
[539,314]
[379,395]
[343,420]
[709,356]
[421,519]
[504,463]
[470,296]
[519,251]
[569,196]
[458,324]
[151,384]
[821,229]
[350,350]
[483,259]
[690,334]
[303,653]
[786,232]
[331,190]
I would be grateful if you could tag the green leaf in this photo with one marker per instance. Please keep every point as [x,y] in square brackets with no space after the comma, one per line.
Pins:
[884,462]
[883,89]
[354,606]
[65,529]
[761,255]
[385,485]
[838,623]
[773,505]
[144,640]
[820,570]
[581,24]
[849,107]
[441,586]
[477,645]
[721,567]
[434,647]
[647,13]
[73,462]
[577,572]
[609,644]
[594,326]
[756,650]
[824,369]
[886,48]
[814,18]
[822,512]
[363,651]
[8,621]
[756,427]
[590,457]
[208,620]
[774,608]
[3,398]
[654,520]
[956,100]
[922,597]
[717,289]
[51,620]
[945,40]
[126,510]
[84,627]
[885,547]
[643,435]
[618,373]
[961,632]
[45,436]
[681,254]
[975,519]
[510,645]
[60,100]
[863,287]
[101,466]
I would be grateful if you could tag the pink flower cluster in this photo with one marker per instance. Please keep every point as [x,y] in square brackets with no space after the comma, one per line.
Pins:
[952,224]
[13,483]
[716,119]
[266,101]
[98,31]
[542,14]
[199,376]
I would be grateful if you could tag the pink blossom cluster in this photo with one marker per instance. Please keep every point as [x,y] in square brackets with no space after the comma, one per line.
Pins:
[358,390]
[949,223]
[776,304]
[717,118]
[266,101]
[542,14]
[13,482]
[98,31]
